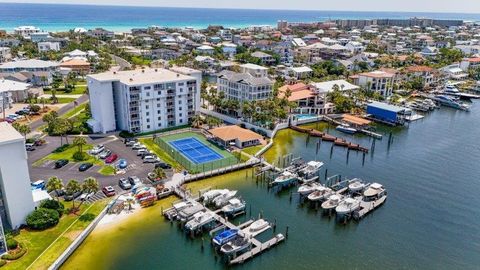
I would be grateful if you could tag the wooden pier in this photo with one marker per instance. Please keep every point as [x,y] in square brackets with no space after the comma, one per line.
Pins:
[329,138]
[258,248]
[236,167]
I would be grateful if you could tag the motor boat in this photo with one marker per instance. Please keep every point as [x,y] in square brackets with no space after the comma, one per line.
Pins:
[208,196]
[225,237]
[450,102]
[321,193]
[308,188]
[199,220]
[236,245]
[187,213]
[374,192]
[311,169]
[347,206]
[285,178]
[257,226]
[233,207]
[430,104]
[223,199]
[332,202]
[346,129]
[451,89]
[356,185]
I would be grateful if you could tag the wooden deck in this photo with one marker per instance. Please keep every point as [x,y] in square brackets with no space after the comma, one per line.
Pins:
[258,248]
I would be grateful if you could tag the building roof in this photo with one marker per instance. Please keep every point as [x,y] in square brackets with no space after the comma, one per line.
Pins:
[228,133]
[301,69]
[377,74]
[473,59]
[31,63]
[9,85]
[387,107]
[355,120]
[140,76]
[75,62]
[261,54]
[326,87]
[9,134]
[419,69]
[253,66]
[244,77]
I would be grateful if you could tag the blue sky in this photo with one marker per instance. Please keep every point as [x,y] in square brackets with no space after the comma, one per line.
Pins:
[460,6]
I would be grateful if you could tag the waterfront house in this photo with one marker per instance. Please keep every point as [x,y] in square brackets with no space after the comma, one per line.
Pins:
[228,136]
[378,81]
[454,72]
[429,76]
[26,31]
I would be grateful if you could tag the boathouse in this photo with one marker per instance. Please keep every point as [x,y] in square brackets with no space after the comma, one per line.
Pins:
[387,113]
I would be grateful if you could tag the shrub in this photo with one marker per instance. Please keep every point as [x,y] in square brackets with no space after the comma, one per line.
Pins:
[15,254]
[80,156]
[2,263]
[42,219]
[87,217]
[61,148]
[125,134]
[12,243]
[54,205]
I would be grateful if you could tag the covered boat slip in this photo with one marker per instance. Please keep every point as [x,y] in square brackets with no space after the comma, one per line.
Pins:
[355,121]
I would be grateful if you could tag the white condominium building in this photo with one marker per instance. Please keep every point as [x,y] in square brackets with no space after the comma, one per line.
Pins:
[252,83]
[143,100]
[16,200]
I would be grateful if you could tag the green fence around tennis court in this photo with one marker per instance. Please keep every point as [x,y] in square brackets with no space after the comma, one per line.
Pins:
[192,167]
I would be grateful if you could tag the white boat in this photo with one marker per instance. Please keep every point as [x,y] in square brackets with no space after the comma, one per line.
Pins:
[233,207]
[321,193]
[356,185]
[187,213]
[208,196]
[374,191]
[308,188]
[223,199]
[430,104]
[285,178]
[347,206]
[332,202]
[450,102]
[311,169]
[451,89]
[199,219]
[237,245]
[346,129]
[257,226]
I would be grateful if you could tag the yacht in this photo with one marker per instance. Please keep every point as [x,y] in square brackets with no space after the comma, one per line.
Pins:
[347,206]
[450,102]
[451,89]
[187,213]
[208,196]
[236,245]
[375,193]
[225,237]
[285,178]
[223,199]
[257,226]
[332,202]
[430,104]
[321,193]
[199,220]
[311,169]
[356,185]
[233,207]
[346,129]
[308,188]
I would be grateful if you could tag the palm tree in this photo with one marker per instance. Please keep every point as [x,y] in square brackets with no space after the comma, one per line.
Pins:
[89,185]
[159,173]
[54,184]
[79,142]
[22,129]
[73,186]
[43,101]
[197,121]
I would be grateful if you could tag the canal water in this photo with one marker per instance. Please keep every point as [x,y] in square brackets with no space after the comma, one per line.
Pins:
[431,219]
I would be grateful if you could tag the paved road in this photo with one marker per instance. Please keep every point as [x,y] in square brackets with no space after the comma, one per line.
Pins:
[38,123]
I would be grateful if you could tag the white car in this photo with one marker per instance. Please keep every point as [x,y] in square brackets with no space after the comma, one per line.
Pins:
[151,159]
[86,196]
[97,149]
[138,146]
[141,152]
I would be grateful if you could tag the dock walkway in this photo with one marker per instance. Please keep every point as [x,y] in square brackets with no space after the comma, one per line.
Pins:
[258,248]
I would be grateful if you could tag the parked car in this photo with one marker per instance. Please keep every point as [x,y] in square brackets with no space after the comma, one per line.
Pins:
[23,112]
[71,197]
[106,153]
[30,147]
[122,163]
[111,158]
[13,116]
[108,191]
[60,163]
[85,166]
[138,146]
[97,149]
[124,184]
[39,184]
[151,159]
[130,141]
[9,120]
[164,166]
[142,152]
[134,180]
[86,196]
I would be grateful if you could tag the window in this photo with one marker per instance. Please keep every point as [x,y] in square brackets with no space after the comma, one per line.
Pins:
[147,114]
[147,94]
[158,112]
[180,114]
[181,121]
[159,118]
[181,84]
[148,126]
[147,107]
[147,87]
[179,102]
[148,120]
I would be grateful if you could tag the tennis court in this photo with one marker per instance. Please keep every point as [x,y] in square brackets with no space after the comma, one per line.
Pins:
[195,151]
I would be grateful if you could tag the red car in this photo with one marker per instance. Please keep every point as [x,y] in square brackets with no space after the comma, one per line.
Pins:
[111,158]
[108,191]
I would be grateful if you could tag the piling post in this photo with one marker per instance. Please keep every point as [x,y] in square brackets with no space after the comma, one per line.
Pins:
[286,232]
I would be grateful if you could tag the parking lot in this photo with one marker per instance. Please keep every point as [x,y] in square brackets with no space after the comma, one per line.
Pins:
[136,166]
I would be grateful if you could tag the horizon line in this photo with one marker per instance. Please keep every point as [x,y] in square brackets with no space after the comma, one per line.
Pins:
[226,8]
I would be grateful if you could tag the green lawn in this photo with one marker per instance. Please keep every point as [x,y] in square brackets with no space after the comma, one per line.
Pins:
[253,149]
[79,90]
[68,154]
[64,100]
[37,242]
[107,170]
[74,111]
[152,146]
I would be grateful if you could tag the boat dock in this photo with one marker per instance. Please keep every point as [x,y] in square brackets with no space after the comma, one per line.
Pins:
[258,248]
[360,126]
[329,138]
